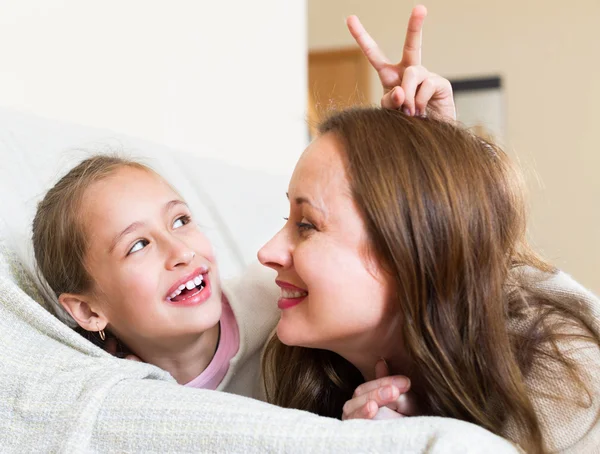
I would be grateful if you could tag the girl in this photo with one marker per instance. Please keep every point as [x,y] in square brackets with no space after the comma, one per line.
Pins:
[121,250]
[406,241]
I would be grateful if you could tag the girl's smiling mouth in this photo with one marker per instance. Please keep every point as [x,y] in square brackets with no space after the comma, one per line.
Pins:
[191,290]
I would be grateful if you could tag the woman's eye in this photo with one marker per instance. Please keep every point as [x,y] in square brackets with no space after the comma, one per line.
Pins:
[181,221]
[305,226]
[138,246]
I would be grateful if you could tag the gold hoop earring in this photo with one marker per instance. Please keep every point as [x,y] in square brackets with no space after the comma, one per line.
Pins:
[101,332]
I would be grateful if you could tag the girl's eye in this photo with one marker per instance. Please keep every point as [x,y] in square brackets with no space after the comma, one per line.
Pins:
[181,221]
[138,246]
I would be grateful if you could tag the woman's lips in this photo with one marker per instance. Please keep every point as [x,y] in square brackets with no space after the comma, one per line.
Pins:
[290,295]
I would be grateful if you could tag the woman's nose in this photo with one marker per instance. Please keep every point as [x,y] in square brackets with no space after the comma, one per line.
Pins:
[277,253]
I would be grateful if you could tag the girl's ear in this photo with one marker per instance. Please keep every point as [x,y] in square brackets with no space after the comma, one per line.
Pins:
[88,318]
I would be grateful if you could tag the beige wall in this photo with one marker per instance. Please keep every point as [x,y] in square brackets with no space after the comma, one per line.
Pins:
[548,55]
[195,75]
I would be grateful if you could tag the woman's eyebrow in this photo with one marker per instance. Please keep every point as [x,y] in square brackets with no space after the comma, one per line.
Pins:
[301,200]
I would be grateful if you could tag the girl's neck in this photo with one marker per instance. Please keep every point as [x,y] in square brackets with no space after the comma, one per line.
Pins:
[185,359]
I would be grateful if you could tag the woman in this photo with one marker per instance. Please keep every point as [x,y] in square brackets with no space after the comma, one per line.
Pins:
[406,242]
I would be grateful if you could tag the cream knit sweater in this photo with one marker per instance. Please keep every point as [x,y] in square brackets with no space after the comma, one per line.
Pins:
[570,421]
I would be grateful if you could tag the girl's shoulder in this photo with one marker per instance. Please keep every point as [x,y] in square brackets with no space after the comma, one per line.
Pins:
[253,299]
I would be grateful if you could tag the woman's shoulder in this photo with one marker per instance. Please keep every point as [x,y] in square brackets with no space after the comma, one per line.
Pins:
[563,379]
[560,286]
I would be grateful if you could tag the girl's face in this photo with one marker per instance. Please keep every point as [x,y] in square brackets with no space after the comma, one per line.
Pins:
[333,294]
[154,273]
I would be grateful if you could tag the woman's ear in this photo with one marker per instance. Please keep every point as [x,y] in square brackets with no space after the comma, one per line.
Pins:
[88,318]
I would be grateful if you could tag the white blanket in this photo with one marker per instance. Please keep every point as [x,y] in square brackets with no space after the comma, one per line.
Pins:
[60,393]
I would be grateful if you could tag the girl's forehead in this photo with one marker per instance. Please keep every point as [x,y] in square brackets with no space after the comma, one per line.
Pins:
[127,193]
[128,180]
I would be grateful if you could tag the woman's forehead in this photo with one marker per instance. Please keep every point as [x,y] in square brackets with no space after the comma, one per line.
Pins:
[321,167]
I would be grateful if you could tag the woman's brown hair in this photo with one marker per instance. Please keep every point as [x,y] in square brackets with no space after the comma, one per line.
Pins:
[445,216]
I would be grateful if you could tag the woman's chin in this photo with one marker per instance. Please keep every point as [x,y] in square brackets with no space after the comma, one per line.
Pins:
[294,335]
[287,333]
[282,334]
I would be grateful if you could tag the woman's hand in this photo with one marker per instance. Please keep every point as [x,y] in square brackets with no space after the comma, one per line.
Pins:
[407,85]
[383,398]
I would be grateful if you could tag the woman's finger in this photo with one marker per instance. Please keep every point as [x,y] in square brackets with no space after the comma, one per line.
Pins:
[393,99]
[412,78]
[442,101]
[368,411]
[425,92]
[367,44]
[399,381]
[386,413]
[381,396]
[411,54]
[406,405]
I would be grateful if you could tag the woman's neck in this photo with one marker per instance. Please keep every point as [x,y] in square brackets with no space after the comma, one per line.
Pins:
[184,358]
[384,342]
[365,361]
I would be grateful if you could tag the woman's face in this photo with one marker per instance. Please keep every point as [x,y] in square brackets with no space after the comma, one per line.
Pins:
[154,273]
[333,294]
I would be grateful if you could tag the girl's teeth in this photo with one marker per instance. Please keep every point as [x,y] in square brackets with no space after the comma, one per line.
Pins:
[190,285]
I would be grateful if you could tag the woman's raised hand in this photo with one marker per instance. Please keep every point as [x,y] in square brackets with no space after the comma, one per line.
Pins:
[383,398]
[407,85]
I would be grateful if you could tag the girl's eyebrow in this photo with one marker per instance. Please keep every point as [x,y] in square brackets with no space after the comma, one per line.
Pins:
[127,231]
[136,225]
[174,203]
